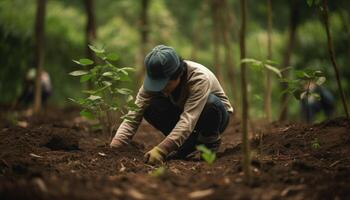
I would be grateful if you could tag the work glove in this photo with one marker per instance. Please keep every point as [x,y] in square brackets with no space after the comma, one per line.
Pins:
[116,143]
[155,156]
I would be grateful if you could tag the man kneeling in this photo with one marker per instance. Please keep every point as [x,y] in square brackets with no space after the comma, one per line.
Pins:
[182,99]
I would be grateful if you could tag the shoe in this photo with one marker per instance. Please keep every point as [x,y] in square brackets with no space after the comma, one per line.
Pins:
[213,146]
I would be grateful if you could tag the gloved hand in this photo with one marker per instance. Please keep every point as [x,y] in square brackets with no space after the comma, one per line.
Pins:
[116,143]
[155,156]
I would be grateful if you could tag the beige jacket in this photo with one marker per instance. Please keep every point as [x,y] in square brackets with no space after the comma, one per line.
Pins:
[193,97]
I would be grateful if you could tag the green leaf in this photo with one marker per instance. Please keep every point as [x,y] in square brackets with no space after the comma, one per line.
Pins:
[250,60]
[316,96]
[96,50]
[84,62]
[158,172]
[85,78]
[124,77]
[94,97]
[107,74]
[124,91]
[273,69]
[89,91]
[206,154]
[87,114]
[130,69]
[309,2]
[321,80]
[107,83]
[78,73]
[112,57]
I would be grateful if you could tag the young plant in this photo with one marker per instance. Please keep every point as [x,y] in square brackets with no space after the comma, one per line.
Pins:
[302,87]
[106,96]
[206,154]
[158,172]
[315,144]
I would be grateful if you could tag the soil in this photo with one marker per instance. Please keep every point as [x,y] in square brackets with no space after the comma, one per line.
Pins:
[58,156]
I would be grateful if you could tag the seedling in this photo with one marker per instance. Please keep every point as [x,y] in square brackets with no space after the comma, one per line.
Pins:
[206,154]
[158,172]
[300,87]
[105,97]
[315,144]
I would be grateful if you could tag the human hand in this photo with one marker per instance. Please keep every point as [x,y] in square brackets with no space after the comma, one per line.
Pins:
[155,156]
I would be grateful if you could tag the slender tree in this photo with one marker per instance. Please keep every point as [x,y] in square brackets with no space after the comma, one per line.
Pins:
[39,51]
[225,24]
[268,93]
[90,30]
[144,32]
[197,28]
[216,37]
[332,55]
[293,24]
[245,138]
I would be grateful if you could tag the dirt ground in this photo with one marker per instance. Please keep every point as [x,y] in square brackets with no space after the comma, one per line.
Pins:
[57,156]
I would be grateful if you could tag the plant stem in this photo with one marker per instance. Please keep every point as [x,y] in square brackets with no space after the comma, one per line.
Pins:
[332,56]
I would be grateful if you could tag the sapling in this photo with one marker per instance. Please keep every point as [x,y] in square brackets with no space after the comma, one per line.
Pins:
[106,96]
[206,154]
[158,172]
[304,84]
[315,144]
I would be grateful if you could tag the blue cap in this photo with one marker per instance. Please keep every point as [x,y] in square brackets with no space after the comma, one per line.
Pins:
[161,63]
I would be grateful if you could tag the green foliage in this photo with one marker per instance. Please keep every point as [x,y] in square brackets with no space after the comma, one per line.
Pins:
[313,2]
[105,96]
[300,86]
[206,154]
[315,144]
[158,172]
[259,65]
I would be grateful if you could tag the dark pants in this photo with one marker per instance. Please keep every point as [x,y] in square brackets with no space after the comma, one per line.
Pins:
[164,115]
[310,108]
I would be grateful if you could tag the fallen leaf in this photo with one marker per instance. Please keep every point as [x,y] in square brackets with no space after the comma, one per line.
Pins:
[35,156]
[123,168]
[102,154]
[200,193]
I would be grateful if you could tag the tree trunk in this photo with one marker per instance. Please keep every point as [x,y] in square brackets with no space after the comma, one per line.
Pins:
[332,55]
[198,27]
[245,138]
[144,32]
[39,51]
[225,22]
[293,23]
[268,92]
[216,38]
[90,28]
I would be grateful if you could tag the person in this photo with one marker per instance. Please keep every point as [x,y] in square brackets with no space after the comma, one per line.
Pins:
[181,98]
[311,105]
[27,95]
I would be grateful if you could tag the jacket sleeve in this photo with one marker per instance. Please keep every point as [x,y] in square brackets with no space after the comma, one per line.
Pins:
[199,90]
[128,128]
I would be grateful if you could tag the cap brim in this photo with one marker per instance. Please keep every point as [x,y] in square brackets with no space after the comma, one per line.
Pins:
[154,85]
